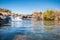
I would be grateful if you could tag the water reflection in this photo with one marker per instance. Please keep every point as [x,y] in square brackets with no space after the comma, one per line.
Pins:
[16,24]
[57,23]
[38,26]
[52,23]
[52,26]
[19,37]
[31,30]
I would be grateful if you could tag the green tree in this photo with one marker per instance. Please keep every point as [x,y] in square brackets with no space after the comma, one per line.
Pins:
[49,14]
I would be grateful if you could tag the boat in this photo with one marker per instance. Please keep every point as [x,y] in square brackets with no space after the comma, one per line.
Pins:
[16,19]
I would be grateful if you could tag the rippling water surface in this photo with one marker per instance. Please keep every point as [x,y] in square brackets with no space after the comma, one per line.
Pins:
[31,30]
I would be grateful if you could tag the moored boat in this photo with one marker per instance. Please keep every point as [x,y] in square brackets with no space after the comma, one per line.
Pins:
[16,19]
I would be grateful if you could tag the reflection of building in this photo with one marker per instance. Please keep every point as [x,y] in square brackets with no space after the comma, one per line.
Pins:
[38,26]
[57,23]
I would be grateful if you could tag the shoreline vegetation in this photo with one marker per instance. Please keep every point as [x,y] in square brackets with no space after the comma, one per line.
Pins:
[49,15]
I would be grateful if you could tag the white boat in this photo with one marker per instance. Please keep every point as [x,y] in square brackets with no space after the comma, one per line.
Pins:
[16,19]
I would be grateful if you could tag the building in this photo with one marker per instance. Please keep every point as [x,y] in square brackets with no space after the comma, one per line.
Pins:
[37,16]
[57,15]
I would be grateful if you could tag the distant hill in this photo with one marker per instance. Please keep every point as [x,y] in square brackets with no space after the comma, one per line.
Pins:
[5,11]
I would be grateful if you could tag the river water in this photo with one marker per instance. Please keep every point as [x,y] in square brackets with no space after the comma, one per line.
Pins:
[31,30]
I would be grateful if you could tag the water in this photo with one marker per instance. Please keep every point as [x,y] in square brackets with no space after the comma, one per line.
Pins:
[31,30]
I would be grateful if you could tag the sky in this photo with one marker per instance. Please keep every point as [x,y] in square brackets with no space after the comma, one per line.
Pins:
[29,6]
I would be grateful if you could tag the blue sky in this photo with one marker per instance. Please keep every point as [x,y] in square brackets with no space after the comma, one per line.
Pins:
[29,6]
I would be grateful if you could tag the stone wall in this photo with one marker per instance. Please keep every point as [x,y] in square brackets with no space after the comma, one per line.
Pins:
[37,16]
[57,15]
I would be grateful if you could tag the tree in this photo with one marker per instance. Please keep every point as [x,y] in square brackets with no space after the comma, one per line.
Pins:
[49,14]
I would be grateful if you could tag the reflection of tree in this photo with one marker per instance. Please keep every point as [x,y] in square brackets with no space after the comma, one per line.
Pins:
[48,23]
[49,29]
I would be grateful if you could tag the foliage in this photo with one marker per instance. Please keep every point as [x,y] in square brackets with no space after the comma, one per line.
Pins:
[49,14]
